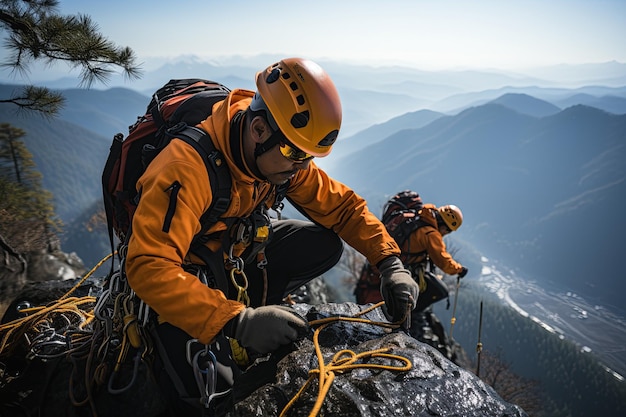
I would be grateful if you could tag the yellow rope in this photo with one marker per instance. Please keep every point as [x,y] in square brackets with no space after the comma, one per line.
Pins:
[38,315]
[88,274]
[343,361]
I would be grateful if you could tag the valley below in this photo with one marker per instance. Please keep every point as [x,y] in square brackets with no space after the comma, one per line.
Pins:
[597,329]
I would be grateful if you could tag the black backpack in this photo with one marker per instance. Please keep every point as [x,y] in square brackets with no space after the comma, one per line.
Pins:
[401,215]
[174,111]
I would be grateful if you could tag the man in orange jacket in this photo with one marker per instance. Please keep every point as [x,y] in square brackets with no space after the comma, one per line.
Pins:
[426,245]
[423,245]
[268,138]
[428,240]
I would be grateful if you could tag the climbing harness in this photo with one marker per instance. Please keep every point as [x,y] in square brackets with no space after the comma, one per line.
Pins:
[252,232]
[344,360]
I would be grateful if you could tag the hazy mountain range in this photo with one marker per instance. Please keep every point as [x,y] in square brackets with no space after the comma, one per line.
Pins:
[537,170]
[534,160]
[535,191]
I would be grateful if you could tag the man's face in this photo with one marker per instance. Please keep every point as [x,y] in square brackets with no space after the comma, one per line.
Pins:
[277,168]
[444,230]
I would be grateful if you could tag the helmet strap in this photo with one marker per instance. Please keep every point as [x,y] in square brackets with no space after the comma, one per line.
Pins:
[275,138]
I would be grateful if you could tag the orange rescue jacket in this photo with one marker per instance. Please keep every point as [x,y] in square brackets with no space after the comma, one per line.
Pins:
[155,258]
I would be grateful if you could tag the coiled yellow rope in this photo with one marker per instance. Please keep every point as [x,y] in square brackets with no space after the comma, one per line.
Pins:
[344,360]
[14,330]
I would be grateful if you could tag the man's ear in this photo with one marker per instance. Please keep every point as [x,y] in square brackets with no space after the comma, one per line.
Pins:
[259,129]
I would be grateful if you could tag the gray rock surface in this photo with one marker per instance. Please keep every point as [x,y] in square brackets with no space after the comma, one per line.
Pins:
[434,386]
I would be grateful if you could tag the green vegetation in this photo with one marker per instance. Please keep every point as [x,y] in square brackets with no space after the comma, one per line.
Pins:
[573,383]
[33,31]
[27,211]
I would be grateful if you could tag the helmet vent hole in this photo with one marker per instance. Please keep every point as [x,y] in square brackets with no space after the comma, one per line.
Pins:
[293,86]
[273,76]
[329,139]
[300,100]
[300,120]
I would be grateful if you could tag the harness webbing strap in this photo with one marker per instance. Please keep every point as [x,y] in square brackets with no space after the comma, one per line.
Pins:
[221,182]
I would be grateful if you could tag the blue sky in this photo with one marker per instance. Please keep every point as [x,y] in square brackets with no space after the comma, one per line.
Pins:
[510,35]
[428,34]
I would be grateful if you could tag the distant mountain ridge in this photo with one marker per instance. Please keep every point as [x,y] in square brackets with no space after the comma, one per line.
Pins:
[446,156]
[601,94]
[105,112]
[374,133]
[367,91]
[525,104]
[533,190]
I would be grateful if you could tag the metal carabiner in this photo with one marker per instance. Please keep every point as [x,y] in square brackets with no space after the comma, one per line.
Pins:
[242,290]
[205,373]
[236,262]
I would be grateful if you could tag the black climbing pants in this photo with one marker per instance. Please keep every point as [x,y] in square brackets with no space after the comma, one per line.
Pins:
[298,252]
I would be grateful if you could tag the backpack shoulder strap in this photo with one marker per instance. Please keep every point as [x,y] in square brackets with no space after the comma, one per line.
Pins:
[221,182]
[110,166]
[219,175]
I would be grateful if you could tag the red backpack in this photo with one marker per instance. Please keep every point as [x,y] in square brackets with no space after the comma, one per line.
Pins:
[173,111]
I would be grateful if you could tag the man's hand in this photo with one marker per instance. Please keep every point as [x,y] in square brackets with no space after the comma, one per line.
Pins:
[266,328]
[463,272]
[398,288]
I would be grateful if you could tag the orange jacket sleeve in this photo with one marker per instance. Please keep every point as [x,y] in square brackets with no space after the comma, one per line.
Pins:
[335,206]
[436,248]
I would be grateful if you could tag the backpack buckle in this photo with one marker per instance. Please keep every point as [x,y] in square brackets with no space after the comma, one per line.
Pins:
[177,128]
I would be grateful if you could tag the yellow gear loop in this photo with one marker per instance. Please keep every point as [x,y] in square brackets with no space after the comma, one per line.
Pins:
[242,290]
[237,265]
[421,281]
[344,360]
[131,325]
[240,354]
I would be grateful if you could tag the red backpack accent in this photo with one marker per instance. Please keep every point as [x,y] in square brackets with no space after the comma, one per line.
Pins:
[368,285]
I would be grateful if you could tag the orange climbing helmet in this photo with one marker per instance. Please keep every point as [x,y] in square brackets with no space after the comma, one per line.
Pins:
[451,216]
[303,102]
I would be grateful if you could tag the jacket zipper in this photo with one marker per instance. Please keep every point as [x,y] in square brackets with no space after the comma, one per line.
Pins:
[171,207]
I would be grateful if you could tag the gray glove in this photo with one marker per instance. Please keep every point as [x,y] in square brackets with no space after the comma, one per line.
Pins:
[264,329]
[398,288]
[463,272]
